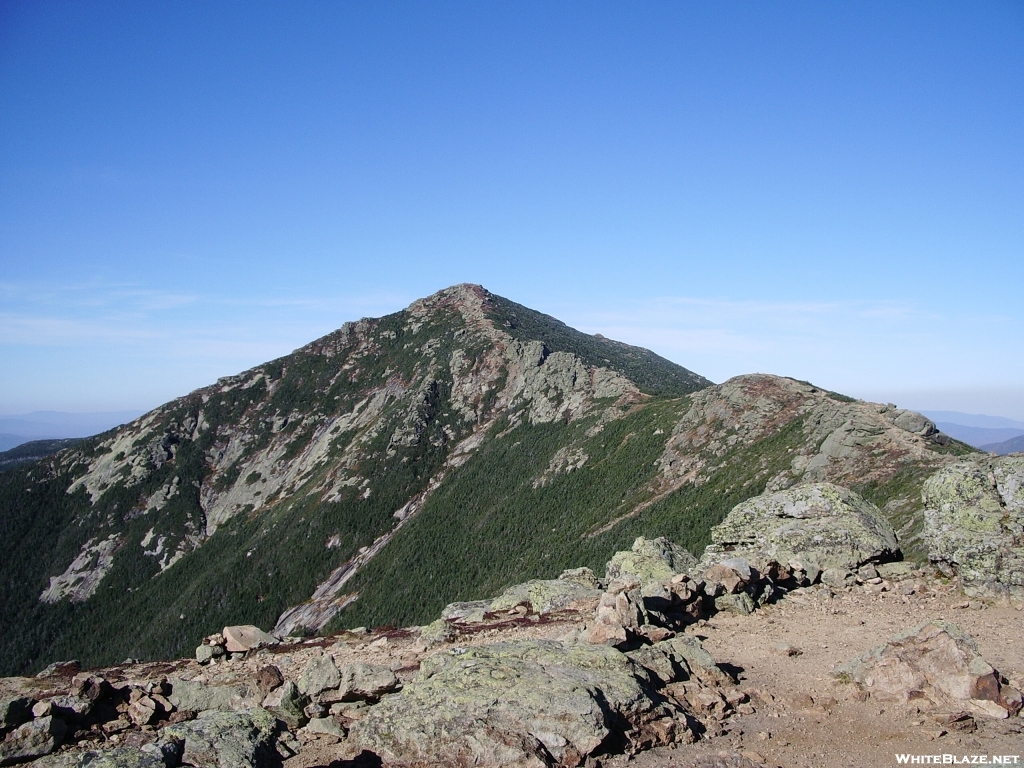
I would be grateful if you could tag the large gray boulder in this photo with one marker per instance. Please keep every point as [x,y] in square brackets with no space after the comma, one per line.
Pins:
[228,739]
[650,560]
[827,524]
[188,694]
[510,704]
[546,596]
[32,739]
[974,525]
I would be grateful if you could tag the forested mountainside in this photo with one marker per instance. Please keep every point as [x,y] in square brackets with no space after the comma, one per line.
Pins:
[400,463]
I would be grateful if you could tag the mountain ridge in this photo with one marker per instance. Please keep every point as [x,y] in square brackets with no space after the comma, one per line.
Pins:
[404,462]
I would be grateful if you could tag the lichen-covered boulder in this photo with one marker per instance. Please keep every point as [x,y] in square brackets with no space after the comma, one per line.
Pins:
[974,525]
[118,757]
[826,524]
[320,675]
[510,704]
[650,560]
[228,739]
[936,664]
[547,596]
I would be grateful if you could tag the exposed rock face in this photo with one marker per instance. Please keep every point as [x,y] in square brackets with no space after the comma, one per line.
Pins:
[974,524]
[515,704]
[83,576]
[934,665]
[820,522]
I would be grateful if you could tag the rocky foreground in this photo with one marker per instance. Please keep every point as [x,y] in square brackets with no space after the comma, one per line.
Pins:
[800,638]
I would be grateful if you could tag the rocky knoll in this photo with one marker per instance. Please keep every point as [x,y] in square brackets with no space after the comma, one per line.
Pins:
[974,523]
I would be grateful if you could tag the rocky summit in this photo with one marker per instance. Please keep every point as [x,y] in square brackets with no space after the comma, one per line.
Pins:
[427,458]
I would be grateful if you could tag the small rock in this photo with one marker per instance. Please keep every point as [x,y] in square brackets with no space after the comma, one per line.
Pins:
[206,653]
[143,711]
[287,703]
[740,603]
[268,678]
[837,578]
[788,650]
[326,725]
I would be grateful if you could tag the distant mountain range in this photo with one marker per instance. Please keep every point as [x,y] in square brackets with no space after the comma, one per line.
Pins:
[55,425]
[398,464]
[990,433]
[1013,445]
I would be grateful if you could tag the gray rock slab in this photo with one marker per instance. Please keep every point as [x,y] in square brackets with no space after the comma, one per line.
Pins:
[510,704]
[228,739]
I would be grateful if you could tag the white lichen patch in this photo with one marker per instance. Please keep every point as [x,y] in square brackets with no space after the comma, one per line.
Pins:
[81,579]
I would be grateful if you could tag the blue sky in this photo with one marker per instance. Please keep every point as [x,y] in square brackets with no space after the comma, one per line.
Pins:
[830,191]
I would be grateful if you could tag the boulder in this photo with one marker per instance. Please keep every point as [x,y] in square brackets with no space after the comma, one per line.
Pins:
[547,596]
[583,576]
[675,660]
[974,525]
[32,739]
[733,574]
[149,756]
[246,637]
[287,704]
[620,613]
[268,678]
[466,612]
[319,675]
[327,726]
[650,560]
[206,653]
[524,703]
[190,695]
[365,681]
[228,739]
[825,524]
[933,665]
[15,711]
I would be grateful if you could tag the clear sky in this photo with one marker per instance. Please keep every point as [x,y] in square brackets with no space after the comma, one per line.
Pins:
[830,191]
